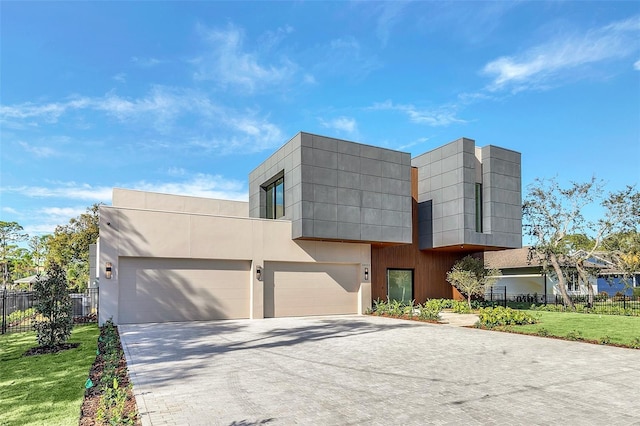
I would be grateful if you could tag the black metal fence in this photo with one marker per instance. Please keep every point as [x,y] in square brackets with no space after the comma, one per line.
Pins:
[598,303]
[18,313]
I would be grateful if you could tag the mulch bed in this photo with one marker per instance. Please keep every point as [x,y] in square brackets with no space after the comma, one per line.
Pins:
[41,350]
[92,395]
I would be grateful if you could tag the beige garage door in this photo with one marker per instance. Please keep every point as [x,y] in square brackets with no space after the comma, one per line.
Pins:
[161,290]
[299,289]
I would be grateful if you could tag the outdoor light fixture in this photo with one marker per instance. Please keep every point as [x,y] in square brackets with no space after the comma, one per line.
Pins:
[366,273]
[107,271]
[259,273]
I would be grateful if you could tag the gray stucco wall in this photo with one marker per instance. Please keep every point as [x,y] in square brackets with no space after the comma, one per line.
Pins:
[446,196]
[339,190]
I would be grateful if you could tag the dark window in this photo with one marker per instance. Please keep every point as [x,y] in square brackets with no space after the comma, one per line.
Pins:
[478,207]
[274,199]
[400,285]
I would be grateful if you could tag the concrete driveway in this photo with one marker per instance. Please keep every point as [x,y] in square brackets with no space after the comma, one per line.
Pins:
[361,370]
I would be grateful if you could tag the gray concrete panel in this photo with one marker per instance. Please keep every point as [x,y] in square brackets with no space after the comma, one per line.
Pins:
[325,229]
[372,199]
[349,197]
[371,216]
[348,214]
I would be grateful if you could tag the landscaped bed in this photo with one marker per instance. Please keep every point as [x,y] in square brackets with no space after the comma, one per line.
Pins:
[615,330]
[40,386]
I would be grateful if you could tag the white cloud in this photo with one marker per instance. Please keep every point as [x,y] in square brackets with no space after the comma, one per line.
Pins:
[346,56]
[341,124]
[120,77]
[539,65]
[390,14]
[636,65]
[65,190]
[229,64]
[145,62]
[200,185]
[10,210]
[441,116]
[39,151]
[170,112]
[406,146]
[64,212]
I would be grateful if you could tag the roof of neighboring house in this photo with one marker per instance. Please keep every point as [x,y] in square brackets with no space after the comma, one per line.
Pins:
[519,258]
[28,280]
[507,259]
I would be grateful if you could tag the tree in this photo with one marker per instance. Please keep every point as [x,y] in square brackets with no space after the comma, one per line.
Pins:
[623,252]
[553,217]
[471,278]
[69,246]
[54,304]
[38,247]
[10,234]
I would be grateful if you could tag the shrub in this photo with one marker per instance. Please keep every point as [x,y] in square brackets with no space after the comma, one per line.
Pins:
[574,335]
[543,332]
[461,307]
[430,310]
[604,340]
[500,316]
[54,304]
[17,316]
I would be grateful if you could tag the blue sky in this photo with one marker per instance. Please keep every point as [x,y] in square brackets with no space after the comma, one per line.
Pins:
[188,97]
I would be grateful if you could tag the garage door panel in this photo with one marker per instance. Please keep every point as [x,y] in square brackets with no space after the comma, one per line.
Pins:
[298,289]
[160,290]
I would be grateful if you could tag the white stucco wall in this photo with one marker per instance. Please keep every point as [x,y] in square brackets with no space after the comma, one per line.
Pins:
[176,227]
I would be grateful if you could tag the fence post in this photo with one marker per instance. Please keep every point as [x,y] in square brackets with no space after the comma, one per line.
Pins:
[4,311]
[505,296]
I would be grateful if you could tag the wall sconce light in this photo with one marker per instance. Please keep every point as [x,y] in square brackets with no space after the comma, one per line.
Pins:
[259,273]
[107,271]
[366,273]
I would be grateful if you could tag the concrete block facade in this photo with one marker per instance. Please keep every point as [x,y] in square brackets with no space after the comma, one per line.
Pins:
[339,190]
[450,180]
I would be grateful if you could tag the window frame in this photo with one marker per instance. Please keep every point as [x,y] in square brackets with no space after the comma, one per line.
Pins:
[479,213]
[274,195]
[389,299]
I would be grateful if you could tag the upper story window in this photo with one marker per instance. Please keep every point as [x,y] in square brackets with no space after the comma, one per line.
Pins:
[478,207]
[274,193]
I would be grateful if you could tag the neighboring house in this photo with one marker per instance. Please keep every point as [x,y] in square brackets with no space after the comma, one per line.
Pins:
[614,283]
[27,283]
[330,226]
[523,276]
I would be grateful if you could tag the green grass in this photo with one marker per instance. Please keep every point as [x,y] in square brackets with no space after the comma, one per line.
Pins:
[613,329]
[44,389]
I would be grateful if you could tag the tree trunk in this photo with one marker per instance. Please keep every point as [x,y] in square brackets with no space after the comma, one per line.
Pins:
[562,283]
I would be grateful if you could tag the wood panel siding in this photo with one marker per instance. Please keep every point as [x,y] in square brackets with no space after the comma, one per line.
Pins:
[430,267]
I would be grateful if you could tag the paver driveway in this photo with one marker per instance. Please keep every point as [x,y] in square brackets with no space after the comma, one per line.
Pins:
[348,370]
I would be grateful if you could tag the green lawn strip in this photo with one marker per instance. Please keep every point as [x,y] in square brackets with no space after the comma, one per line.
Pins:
[44,389]
[620,330]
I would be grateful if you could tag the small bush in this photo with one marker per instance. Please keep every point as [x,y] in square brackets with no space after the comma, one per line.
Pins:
[543,332]
[500,316]
[17,316]
[461,307]
[430,311]
[574,335]
[604,340]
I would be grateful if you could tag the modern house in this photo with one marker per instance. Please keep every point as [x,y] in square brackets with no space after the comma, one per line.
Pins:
[330,226]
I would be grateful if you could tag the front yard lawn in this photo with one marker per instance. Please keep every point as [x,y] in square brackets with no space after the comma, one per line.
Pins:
[605,329]
[44,389]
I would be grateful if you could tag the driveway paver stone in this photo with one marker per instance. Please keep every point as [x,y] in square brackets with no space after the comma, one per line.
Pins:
[364,370]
